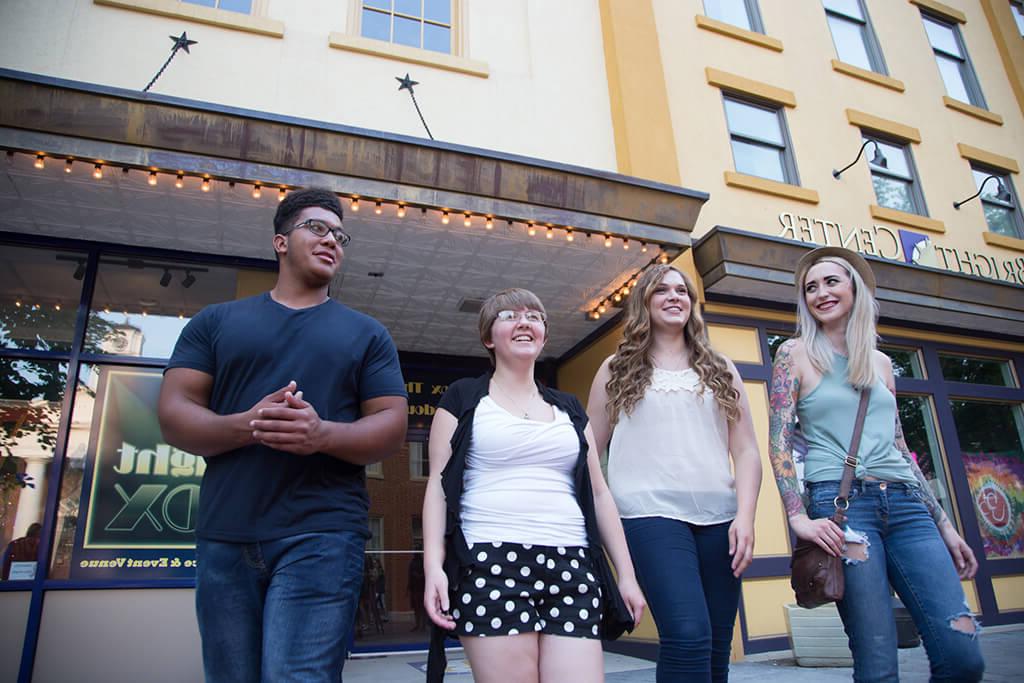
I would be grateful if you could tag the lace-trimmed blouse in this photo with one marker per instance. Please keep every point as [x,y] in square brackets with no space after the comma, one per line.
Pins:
[670,458]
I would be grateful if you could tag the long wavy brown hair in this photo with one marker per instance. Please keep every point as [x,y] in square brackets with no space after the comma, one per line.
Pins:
[631,366]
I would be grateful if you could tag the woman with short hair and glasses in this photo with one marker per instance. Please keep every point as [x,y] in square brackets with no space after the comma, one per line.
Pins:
[517,518]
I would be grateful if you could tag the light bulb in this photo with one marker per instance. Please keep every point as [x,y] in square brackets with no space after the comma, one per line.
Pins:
[281,194]
[179,182]
[152,178]
[625,244]
[67,166]
[608,241]
[550,234]
[377,209]
[531,231]
[444,217]
[643,247]
[206,185]
[40,161]
[489,224]
[256,191]
[401,210]
[601,309]
[569,236]
[355,204]
[467,221]
[97,171]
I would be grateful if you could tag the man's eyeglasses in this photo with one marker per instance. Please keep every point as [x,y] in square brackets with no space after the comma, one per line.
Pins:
[320,229]
[535,317]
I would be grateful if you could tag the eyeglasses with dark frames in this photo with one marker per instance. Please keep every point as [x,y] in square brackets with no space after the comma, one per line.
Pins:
[321,228]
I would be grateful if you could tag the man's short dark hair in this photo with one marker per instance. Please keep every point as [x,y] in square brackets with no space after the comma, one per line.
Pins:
[298,200]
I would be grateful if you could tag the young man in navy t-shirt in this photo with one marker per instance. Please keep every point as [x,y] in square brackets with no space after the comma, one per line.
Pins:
[288,395]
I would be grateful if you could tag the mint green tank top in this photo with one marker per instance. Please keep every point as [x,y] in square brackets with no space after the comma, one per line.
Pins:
[826,417]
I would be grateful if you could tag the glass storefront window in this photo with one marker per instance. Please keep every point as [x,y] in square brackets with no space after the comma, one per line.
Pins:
[128,500]
[991,438]
[39,294]
[140,305]
[918,421]
[905,362]
[956,368]
[775,340]
[31,395]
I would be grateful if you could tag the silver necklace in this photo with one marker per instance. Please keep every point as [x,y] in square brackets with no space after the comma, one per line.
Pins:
[526,414]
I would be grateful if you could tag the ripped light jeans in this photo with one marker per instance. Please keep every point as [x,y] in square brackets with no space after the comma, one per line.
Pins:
[906,551]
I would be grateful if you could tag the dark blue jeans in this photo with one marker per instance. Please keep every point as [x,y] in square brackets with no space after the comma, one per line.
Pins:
[905,550]
[695,626]
[279,610]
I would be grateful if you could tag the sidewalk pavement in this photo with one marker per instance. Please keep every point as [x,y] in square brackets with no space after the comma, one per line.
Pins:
[1002,647]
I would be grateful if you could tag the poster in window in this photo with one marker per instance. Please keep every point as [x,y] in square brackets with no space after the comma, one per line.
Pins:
[997,488]
[140,495]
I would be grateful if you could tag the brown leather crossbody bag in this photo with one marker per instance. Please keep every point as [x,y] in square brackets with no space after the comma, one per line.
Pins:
[817,577]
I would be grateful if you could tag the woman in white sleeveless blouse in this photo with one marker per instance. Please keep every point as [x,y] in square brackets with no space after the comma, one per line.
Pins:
[675,410]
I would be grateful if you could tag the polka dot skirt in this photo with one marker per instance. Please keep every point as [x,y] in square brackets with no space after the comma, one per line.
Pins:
[513,588]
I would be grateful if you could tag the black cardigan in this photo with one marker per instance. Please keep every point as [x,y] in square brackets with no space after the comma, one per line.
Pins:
[461,400]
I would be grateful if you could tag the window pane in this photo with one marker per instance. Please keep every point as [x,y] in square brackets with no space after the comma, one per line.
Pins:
[141,305]
[1018,16]
[764,162]
[848,37]
[407,32]
[31,394]
[730,11]
[126,493]
[376,25]
[992,189]
[413,8]
[892,193]
[1000,219]
[991,436]
[419,461]
[380,4]
[204,3]
[243,6]
[895,159]
[750,121]
[918,422]
[905,362]
[850,8]
[39,294]
[949,68]
[437,38]
[976,370]
[942,37]
[438,10]
[775,340]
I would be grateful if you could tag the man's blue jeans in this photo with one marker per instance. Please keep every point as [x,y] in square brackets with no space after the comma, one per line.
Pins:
[685,572]
[279,610]
[905,550]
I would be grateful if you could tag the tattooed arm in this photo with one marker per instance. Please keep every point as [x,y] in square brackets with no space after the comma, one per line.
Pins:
[784,393]
[783,397]
[963,556]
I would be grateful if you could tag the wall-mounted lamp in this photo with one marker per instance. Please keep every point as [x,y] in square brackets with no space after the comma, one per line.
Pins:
[165,279]
[878,159]
[1002,194]
[189,279]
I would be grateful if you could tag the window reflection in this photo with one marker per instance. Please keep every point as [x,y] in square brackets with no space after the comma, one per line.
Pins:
[995,371]
[141,305]
[918,422]
[39,294]
[31,395]
[905,362]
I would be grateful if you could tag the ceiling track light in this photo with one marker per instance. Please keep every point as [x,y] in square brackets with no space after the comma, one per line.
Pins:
[97,171]
[378,209]
[354,205]
[401,211]
[79,270]
[531,230]
[569,236]
[625,244]
[179,181]
[67,165]
[281,194]
[607,241]
[40,161]
[165,279]
[444,218]
[152,178]
[468,220]
[550,234]
[188,280]
[489,225]
[205,187]
[256,191]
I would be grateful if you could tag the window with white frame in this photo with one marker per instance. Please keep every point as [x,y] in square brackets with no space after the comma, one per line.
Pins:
[760,141]
[953,61]
[1017,8]
[425,24]
[894,176]
[375,470]
[241,6]
[853,34]
[376,540]
[742,13]
[419,461]
[999,201]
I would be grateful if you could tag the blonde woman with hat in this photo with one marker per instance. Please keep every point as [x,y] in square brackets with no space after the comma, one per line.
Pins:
[896,533]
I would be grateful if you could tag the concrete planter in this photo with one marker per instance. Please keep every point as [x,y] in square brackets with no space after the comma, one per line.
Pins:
[817,636]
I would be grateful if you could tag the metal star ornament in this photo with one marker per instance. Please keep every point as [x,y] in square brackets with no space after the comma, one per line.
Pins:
[181,42]
[407,84]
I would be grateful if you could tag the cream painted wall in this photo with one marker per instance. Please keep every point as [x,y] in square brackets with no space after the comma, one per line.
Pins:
[822,137]
[546,96]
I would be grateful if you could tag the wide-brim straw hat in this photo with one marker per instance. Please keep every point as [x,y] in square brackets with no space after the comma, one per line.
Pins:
[853,258]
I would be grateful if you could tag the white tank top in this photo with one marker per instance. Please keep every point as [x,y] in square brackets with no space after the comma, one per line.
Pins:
[670,458]
[518,485]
